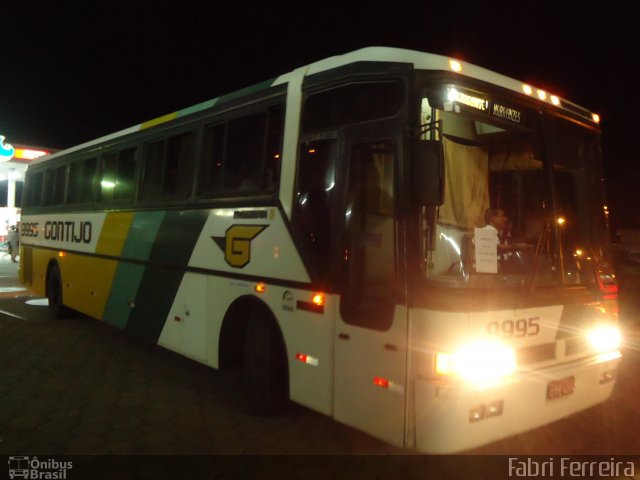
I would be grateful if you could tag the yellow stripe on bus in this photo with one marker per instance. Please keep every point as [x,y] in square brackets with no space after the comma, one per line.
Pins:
[87,293]
[159,120]
[114,233]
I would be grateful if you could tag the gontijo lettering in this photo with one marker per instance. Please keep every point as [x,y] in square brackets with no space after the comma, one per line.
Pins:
[68,231]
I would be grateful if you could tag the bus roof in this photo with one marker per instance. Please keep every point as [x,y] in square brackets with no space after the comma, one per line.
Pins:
[419,60]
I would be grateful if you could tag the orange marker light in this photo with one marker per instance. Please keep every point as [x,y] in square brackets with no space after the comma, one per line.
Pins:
[62,254]
[527,89]
[318,299]
[555,100]
[595,117]
[261,287]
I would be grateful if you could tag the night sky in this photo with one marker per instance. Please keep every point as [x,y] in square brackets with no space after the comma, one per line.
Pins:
[70,75]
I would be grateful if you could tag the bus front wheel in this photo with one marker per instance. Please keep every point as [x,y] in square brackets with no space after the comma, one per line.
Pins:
[266,379]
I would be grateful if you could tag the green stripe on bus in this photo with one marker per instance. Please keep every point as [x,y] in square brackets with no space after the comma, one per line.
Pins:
[169,257]
[197,108]
[247,90]
[142,235]
[123,291]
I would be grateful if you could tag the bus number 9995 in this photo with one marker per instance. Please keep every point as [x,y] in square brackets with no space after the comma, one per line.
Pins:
[522,327]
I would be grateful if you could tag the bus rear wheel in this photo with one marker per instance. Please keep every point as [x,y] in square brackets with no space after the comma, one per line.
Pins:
[54,294]
[266,379]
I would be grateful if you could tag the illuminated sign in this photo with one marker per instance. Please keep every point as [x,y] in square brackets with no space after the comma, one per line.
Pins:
[455,95]
[6,150]
[507,113]
[473,100]
[27,154]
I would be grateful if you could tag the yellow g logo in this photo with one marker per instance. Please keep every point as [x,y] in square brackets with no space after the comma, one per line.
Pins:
[236,243]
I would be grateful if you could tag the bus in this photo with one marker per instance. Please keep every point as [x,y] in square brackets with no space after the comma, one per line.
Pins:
[323,232]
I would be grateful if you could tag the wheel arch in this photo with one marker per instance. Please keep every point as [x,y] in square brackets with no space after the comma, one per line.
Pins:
[231,342]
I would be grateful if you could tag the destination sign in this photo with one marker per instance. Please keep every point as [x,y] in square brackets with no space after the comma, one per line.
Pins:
[506,113]
[455,95]
[477,101]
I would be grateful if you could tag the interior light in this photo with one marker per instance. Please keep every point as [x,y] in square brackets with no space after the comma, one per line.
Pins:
[455,65]
[527,89]
[106,184]
[561,221]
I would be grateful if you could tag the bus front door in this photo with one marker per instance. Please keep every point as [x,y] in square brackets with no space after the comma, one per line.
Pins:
[370,343]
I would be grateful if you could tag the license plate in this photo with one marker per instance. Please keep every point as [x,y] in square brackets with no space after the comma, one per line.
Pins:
[560,388]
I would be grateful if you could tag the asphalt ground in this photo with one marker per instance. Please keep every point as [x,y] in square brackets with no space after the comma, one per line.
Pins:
[78,387]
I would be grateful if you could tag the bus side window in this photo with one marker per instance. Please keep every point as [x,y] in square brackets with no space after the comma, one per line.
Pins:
[275,133]
[54,185]
[125,175]
[118,175]
[178,167]
[243,165]
[152,174]
[212,159]
[108,178]
[87,180]
[168,167]
[34,189]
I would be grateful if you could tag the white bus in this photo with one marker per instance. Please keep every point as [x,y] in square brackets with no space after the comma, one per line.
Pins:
[324,229]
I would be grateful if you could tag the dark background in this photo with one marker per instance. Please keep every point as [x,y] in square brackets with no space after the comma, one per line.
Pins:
[68,75]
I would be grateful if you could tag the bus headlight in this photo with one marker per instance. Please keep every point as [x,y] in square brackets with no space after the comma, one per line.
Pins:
[605,338]
[481,362]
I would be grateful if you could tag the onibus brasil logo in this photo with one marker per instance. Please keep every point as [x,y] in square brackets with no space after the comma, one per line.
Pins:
[32,468]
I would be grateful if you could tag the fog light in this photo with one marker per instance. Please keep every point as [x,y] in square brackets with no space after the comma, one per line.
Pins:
[477,413]
[494,409]
[482,363]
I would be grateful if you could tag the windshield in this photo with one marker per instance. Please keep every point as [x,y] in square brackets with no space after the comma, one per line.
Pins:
[523,203]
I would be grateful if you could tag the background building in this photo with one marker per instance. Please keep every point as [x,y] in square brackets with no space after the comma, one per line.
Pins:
[14,159]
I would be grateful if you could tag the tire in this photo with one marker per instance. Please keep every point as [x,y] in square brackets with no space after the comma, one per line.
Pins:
[265,376]
[57,309]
